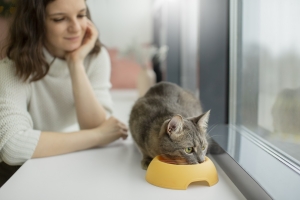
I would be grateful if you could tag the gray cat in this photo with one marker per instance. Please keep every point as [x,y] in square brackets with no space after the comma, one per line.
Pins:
[168,121]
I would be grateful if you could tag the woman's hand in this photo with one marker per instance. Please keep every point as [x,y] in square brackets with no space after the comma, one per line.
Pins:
[88,43]
[111,130]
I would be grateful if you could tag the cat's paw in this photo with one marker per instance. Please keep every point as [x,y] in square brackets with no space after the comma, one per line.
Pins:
[145,163]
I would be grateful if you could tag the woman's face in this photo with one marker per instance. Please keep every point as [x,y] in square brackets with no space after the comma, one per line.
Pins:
[66,23]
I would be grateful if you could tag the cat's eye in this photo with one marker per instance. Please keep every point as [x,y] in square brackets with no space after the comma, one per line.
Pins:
[203,148]
[189,150]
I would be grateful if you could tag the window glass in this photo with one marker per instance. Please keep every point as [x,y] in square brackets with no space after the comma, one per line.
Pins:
[268,73]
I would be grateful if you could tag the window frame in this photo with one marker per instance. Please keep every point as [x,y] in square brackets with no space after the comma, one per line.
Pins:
[215,40]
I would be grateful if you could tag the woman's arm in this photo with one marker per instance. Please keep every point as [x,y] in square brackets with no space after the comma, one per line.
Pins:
[90,113]
[54,143]
[18,139]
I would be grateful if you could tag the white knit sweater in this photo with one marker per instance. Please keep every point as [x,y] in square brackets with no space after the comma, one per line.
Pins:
[26,108]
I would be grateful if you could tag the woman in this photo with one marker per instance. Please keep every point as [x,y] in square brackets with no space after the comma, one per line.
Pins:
[55,74]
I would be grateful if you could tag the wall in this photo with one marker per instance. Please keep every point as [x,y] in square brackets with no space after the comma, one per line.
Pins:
[122,25]
[120,22]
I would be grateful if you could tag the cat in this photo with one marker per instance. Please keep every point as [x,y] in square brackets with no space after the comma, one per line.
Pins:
[168,121]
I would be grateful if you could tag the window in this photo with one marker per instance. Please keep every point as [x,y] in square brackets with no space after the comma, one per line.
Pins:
[267,71]
[249,77]
[265,91]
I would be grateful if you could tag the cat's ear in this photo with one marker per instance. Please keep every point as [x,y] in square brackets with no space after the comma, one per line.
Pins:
[202,121]
[175,125]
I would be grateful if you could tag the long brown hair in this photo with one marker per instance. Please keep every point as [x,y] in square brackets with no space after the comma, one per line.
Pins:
[26,39]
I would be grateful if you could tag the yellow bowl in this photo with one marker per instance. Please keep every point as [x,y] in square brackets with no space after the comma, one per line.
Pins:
[163,174]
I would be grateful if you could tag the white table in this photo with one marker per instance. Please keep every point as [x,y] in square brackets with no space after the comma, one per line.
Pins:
[112,172]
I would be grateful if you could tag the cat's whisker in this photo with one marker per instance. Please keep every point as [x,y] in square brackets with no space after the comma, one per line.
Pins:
[212,127]
[209,137]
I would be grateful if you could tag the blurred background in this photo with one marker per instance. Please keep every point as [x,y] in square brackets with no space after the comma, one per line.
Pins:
[163,33]
[157,34]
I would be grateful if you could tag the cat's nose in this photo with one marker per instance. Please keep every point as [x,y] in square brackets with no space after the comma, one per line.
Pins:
[201,159]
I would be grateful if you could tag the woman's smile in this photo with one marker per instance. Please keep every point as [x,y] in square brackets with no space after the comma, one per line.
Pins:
[73,38]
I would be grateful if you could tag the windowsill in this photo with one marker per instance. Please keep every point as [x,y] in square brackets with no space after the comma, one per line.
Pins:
[254,168]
